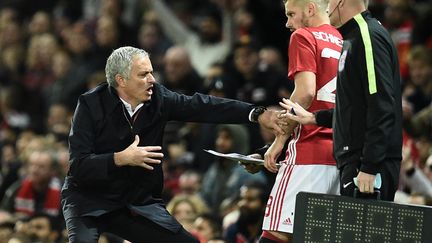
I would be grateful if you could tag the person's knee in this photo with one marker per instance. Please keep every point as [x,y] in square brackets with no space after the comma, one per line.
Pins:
[82,230]
[83,236]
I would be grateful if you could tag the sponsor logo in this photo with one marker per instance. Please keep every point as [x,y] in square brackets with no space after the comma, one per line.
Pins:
[347,184]
[287,221]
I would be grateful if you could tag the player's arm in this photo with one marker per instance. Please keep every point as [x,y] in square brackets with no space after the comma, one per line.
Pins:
[303,94]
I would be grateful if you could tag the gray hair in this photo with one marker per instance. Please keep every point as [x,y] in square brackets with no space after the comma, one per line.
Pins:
[120,62]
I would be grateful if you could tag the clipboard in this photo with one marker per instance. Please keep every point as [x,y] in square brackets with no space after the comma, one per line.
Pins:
[239,158]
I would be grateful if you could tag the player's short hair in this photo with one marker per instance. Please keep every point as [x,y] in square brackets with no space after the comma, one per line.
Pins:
[120,62]
[322,4]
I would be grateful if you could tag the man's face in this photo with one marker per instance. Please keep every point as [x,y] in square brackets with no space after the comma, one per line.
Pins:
[40,228]
[420,72]
[250,204]
[184,212]
[209,30]
[245,60]
[334,12]
[176,68]
[296,16]
[40,170]
[224,142]
[189,184]
[139,87]
[203,228]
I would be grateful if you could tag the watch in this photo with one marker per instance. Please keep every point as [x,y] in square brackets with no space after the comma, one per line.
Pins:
[256,112]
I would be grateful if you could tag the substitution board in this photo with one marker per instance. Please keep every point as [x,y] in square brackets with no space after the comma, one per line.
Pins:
[338,219]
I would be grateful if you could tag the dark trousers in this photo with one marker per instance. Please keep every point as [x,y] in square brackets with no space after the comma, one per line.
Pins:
[389,171]
[122,223]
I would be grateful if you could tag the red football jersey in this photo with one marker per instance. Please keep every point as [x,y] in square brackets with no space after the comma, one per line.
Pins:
[316,50]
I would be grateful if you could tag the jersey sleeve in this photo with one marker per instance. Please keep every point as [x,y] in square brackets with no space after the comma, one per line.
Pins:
[301,53]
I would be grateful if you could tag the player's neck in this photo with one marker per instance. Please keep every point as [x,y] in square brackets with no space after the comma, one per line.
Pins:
[319,20]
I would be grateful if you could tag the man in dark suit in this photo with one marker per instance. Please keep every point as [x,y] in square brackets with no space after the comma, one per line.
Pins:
[115,179]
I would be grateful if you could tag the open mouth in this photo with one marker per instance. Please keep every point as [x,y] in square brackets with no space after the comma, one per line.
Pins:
[150,89]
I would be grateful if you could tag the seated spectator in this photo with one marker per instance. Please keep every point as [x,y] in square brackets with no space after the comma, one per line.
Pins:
[210,44]
[58,121]
[225,177]
[255,85]
[44,228]
[252,205]
[6,229]
[418,89]
[190,182]
[207,227]
[398,19]
[9,165]
[179,74]
[39,191]
[66,87]
[185,209]
[151,39]
[40,23]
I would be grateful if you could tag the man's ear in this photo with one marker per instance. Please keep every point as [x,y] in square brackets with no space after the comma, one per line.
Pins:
[121,82]
[312,9]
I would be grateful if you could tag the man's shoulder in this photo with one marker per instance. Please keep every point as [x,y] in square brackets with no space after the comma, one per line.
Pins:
[302,33]
[302,36]
[98,89]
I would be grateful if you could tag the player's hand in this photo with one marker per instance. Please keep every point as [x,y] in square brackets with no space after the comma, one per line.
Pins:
[135,155]
[271,119]
[296,112]
[271,156]
[365,182]
[250,167]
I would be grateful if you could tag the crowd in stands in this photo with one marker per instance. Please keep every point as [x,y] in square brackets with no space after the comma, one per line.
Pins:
[52,51]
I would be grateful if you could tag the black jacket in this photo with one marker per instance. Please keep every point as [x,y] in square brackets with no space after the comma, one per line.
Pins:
[367,119]
[102,126]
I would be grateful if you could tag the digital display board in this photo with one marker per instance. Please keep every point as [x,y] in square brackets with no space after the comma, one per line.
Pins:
[337,219]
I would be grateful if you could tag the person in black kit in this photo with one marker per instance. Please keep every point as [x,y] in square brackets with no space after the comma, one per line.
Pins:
[367,119]
[115,178]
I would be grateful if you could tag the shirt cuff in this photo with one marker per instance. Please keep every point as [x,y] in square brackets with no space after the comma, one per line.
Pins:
[250,115]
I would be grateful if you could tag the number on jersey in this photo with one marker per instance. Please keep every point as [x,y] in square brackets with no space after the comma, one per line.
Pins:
[326,92]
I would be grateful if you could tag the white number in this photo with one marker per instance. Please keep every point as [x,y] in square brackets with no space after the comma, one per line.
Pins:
[326,93]
[330,53]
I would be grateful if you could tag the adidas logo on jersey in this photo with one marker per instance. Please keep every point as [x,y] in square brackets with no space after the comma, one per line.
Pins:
[287,221]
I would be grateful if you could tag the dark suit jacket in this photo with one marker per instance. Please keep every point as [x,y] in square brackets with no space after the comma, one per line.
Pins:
[102,126]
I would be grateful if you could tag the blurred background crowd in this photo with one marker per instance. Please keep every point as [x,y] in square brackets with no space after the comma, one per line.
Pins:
[51,51]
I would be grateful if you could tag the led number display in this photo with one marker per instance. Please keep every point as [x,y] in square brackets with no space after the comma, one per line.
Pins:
[329,218]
